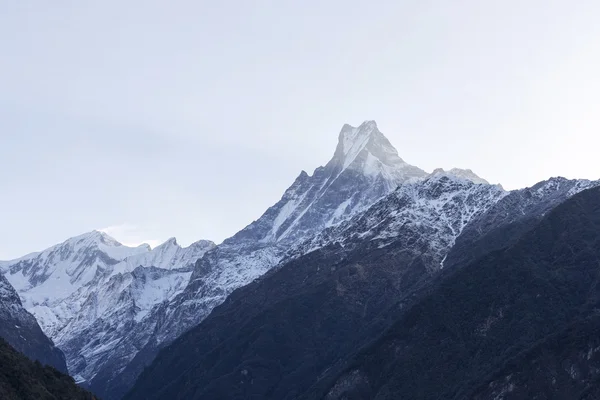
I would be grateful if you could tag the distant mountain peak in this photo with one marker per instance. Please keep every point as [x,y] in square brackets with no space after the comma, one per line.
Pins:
[145,247]
[352,140]
[95,236]
[365,167]
[203,243]
[366,150]
[170,242]
[351,136]
[460,173]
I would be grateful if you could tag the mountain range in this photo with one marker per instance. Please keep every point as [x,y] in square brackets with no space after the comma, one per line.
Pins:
[281,309]
[291,333]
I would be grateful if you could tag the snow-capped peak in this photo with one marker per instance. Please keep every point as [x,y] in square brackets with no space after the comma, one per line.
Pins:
[171,245]
[78,247]
[144,247]
[168,255]
[352,140]
[367,150]
[168,243]
[460,173]
[57,283]
[55,273]
[364,168]
[208,244]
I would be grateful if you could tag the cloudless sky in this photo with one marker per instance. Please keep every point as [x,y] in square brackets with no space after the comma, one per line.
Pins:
[153,119]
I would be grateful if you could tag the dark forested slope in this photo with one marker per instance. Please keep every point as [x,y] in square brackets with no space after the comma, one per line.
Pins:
[296,332]
[271,339]
[483,330]
[23,379]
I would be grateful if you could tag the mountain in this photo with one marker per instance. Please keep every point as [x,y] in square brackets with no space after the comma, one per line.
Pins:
[23,379]
[45,279]
[89,290]
[19,328]
[364,168]
[518,323]
[461,173]
[301,323]
[169,255]
[440,206]
[512,216]
[118,306]
[295,321]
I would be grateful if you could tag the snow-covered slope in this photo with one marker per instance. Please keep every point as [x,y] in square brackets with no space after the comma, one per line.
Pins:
[60,270]
[168,255]
[439,207]
[450,210]
[364,168]
[515,211]
[92,280]
[461,173]
[79,267]
[19,328]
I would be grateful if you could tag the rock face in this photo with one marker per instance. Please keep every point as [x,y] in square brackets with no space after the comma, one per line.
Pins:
[20,329]
[515,213]
[295,332]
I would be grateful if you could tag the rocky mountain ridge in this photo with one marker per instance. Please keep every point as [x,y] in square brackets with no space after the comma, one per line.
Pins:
[116,307]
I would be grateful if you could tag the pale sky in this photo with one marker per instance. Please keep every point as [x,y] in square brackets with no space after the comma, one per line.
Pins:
[153,119]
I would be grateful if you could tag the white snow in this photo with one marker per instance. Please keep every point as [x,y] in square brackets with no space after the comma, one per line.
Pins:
[287,211]
[158,291]
[465,174]
[354,141]
[60,270]
[429,208]
[340,213]
[87,274]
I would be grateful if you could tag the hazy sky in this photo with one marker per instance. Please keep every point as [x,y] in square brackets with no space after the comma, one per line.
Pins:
[190,118]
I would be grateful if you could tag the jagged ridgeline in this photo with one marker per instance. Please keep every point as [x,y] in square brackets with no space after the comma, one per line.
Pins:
[282,307]
[299,331]
[116,306]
